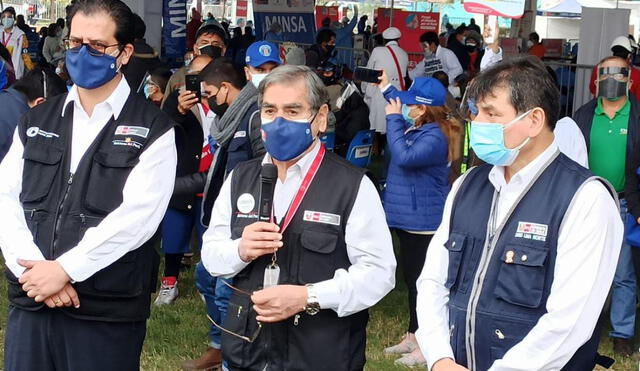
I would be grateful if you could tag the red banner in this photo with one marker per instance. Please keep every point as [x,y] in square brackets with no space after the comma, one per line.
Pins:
[323,12]
[553,47]
[241,8]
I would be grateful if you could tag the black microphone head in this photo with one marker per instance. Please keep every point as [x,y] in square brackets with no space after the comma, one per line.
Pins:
[269,171]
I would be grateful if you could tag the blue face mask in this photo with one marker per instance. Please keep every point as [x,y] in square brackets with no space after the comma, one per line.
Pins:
[487,141]
[286,139]
[147,90]
[90,71]
[406,111]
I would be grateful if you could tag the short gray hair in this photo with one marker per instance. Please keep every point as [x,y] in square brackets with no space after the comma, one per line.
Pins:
[317,94]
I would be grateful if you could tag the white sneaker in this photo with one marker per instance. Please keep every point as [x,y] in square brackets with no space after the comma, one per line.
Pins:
[411,360]
[404,347]
[168,293]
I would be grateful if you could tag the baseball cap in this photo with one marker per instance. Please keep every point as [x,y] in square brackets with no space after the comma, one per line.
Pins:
[622,41]
[262,52]
[391,33]
[214,27]
[424,90]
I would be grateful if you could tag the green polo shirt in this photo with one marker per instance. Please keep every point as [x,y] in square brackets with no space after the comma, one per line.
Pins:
[608,145]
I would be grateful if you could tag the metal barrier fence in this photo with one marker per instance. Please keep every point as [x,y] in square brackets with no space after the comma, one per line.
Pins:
[351,57]
[573,80]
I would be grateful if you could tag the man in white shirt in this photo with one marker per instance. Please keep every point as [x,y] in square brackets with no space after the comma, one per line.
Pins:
[83,188]
[306,305]
[508,284]
[394,60]
[436,58]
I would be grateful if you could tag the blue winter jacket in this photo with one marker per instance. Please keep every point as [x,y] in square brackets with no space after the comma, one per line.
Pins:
[418,176]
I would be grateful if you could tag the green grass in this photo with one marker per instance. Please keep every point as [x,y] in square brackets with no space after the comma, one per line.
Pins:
[179,331]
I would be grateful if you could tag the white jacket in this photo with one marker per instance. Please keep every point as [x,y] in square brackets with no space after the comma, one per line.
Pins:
[443,60]
[381,59]
[13,41]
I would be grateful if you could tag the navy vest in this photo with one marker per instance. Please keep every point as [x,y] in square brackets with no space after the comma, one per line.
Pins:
[499,290]
[59,206]
[312,252]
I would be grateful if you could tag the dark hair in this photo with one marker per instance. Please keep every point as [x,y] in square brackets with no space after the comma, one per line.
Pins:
[116,9]
[620,52]
[527,82]
[139,27]
[31,84]
[223,70]
[11,10]
[161,76]
[213,29]
[53,30]
[44,31]
[430,37]
[326,22]
[60,22]
[324,36]
[534,37]
[442,77]
[4,54]
[461,29]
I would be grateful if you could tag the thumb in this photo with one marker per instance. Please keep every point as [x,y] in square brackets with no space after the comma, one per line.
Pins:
[27,263]
[259,297]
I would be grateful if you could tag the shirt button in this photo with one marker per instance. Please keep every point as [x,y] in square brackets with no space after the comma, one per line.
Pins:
[197,157]
[610,131]
[189,207]
[523,258]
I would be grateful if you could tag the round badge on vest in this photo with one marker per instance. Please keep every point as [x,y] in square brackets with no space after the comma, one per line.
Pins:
[246,203]
[32,131]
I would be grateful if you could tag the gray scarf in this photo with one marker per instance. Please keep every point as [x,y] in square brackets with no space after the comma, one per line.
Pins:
[223,128]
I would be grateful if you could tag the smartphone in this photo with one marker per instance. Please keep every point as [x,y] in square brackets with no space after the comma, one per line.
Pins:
[192,83]
[367,75]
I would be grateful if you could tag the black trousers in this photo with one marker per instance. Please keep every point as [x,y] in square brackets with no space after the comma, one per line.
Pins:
[49,340]
[413,252]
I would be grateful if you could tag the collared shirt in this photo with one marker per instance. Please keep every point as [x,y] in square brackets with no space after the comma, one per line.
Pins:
[589,243]
[372,272]
[490,58]
[608,144]
[145,195]
[571,141]
[442,60]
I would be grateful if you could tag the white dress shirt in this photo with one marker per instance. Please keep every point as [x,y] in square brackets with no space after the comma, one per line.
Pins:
[588,247]
[369,247]
[146,195]
[490,58]
[571,141]
[443,60]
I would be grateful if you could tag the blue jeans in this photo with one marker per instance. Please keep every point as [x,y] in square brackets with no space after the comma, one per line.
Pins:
[216,296]
[623,296]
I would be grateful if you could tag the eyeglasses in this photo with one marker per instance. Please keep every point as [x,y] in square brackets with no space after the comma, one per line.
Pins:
[95,48]
[245,338]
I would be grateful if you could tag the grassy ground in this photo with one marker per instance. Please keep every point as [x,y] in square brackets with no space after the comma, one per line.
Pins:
[179,331]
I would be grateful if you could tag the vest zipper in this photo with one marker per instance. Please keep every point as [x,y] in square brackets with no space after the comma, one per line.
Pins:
[57,221]
[296,319]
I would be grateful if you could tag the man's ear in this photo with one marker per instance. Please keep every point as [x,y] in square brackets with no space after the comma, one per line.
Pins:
[538,122]
[36,101]
[247,74]
[322,118]
[127,53]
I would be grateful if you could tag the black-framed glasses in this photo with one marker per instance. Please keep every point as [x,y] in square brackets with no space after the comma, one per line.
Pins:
[248,339]
[95,48]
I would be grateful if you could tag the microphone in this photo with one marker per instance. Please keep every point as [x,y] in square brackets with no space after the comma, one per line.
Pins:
[268,176]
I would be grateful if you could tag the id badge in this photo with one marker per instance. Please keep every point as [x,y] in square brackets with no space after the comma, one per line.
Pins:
[271,275]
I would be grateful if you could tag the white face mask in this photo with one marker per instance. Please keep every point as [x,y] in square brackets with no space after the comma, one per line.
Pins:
[256,78]
[455,91]
[529,43]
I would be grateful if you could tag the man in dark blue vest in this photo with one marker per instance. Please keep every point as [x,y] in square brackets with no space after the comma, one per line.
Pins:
[304,307]
[518,272]
[82,189]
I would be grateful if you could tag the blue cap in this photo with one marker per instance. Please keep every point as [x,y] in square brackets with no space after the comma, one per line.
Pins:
[262,52]
[424,90]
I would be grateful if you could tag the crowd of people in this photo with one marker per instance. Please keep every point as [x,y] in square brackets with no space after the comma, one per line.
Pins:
[510,219]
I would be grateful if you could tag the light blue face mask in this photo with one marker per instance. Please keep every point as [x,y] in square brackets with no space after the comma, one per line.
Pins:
[487,141]
[406,111]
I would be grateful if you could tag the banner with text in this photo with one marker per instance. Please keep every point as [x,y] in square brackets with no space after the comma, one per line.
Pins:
[500,8]
[174,29]
[323,12]
[295,17]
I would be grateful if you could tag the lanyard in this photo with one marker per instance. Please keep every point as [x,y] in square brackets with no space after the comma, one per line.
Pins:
[5,42]
[306,182]
[465,149]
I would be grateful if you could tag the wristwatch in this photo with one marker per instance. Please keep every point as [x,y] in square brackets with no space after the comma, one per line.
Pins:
[313,306]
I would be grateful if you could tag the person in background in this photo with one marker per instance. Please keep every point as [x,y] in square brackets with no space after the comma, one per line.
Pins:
[351,116]
[455,43]
[234,101]
[42,36]
[53,49]
[420,134]
[7,75]
[26,93]
[436,58]
[62,25]
[156,84]
[248,38]
[323,49]
[22,25]
[534,46]
[262,57]
[235,51]
[362,24]
[15,41]
[211,39]
[508,285]
[192,28]
[144,60]
[274,34]
[450,100]
[296,56]
[330,75]
[620,47]
[610,125]
[473,26]
[209,16]
[344,40]
[325,23]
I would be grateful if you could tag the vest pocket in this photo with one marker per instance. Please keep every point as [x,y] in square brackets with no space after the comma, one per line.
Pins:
[109,173]
[237,319]
[522,275]
[316,259]
[120,279]
[33,218]
[455,275]
[41,164]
